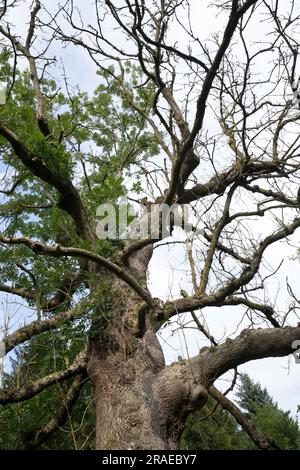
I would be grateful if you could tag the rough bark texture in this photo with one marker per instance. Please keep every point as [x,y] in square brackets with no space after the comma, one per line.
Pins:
[139,403]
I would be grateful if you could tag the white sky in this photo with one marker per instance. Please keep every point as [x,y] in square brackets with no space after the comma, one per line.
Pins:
[168,267]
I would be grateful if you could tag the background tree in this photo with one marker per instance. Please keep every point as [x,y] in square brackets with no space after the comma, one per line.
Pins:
[195,121]
[266,414]
[213,428]
[251,394]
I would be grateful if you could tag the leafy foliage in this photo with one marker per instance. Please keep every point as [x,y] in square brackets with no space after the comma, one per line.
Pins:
[46,354]
[251,395]
[212,428]
[215,429]
[266,415]
[96,141]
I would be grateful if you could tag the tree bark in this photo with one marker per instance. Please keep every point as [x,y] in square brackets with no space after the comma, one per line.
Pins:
[140,404]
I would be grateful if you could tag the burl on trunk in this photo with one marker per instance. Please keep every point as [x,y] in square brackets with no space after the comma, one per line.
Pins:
[140,404]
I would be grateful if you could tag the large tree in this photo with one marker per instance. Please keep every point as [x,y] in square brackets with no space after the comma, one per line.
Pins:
[205,120]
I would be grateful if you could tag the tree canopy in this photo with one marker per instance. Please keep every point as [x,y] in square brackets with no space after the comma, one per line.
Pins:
[179,112]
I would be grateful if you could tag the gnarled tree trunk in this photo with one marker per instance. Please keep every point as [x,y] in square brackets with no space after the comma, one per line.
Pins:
[140,404]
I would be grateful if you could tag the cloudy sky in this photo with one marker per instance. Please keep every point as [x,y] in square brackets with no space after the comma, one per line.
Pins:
[168,270]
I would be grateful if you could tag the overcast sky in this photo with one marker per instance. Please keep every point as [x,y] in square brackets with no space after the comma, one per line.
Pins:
[168,269]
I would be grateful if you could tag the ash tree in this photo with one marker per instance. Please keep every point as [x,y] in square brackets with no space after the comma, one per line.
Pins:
[181,114]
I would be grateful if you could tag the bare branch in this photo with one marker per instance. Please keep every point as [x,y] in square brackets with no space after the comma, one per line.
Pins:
[28,391]
[260,440]
[248,346]
[63,413]
[60,251]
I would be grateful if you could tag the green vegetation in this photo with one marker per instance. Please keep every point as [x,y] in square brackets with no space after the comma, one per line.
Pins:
[214,428]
